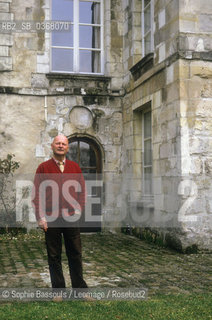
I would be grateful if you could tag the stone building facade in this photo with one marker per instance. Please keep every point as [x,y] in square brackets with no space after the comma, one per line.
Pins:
[130,82]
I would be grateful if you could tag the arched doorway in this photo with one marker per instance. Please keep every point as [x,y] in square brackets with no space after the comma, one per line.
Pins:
[87,153]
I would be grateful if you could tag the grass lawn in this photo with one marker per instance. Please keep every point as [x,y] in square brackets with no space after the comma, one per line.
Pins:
[164,307]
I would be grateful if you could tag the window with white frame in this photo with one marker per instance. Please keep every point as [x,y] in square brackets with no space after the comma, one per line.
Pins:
[79,50]
[147,23]
[147,151]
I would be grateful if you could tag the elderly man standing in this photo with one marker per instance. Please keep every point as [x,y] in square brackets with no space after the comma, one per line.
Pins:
[59,200]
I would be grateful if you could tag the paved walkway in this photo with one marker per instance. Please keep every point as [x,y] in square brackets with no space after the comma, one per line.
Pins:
[115,260]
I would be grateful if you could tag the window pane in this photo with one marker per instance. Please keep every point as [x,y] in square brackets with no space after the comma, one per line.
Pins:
[147,41]
[146,2]
[147,125]
[89,37]
[92,158]
[87,155]
[148,180]
[90,173]
[89,61]
[84,154]
[64,39]
[62,10]
[62,60]
[147,19]
[148,152]
[89,12]
[73,151]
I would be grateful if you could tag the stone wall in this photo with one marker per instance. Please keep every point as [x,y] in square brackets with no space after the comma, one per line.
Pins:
[36,105]
[178,88]
[195,118]
[27,81]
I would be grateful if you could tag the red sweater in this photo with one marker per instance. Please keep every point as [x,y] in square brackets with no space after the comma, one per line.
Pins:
[56,191]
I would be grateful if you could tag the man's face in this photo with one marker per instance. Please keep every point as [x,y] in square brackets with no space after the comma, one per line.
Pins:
[60,146]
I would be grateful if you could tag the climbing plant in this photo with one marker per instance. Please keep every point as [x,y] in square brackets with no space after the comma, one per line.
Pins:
[7,199]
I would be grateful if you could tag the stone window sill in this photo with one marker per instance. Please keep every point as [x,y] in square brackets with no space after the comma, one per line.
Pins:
[55,75]
[142,66]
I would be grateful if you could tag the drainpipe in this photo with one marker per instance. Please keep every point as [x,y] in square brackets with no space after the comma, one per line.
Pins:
[45,108]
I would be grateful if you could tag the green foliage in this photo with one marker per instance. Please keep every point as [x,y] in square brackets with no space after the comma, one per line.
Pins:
[8,165]
[151,236]
[192,249]
[7,199]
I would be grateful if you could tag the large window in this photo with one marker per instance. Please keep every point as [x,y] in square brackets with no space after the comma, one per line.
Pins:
[147,152]
[79,50]
[147,23]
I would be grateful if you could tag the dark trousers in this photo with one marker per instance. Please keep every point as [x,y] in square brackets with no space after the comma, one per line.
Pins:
[72,241]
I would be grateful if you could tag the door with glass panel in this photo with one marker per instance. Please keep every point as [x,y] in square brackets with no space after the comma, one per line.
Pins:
[87,154]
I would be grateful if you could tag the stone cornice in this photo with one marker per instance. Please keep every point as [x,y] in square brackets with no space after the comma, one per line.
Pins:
[143,74]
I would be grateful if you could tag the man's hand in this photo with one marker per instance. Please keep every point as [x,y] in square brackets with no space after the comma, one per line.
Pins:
[77,211]
[43,224]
